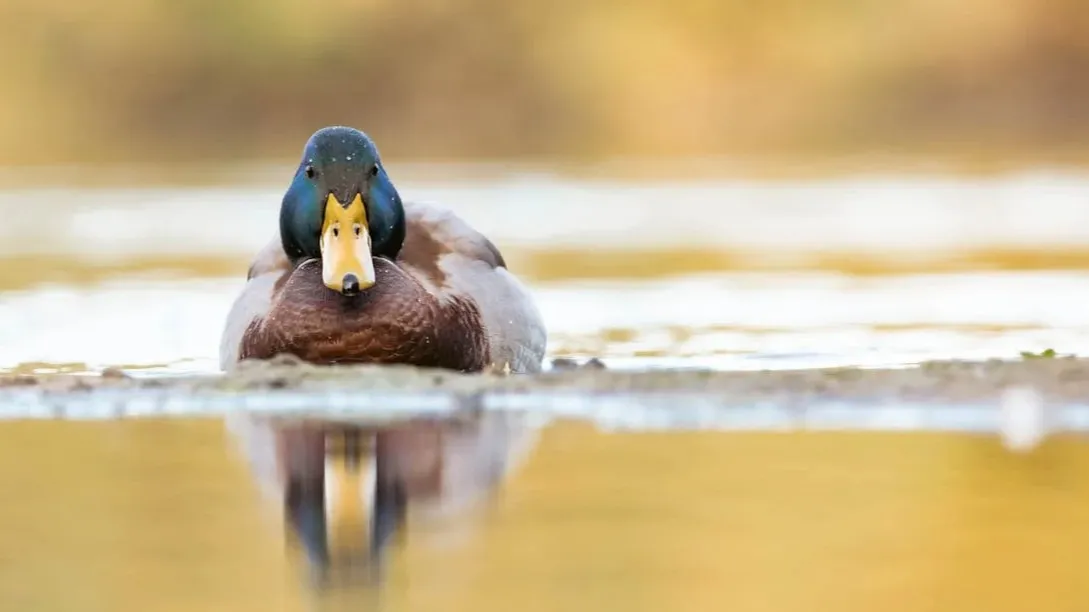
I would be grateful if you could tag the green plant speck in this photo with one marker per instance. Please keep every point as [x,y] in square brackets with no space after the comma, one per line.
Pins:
[1045,354]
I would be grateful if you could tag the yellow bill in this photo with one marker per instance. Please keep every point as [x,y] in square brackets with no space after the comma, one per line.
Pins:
[346,264]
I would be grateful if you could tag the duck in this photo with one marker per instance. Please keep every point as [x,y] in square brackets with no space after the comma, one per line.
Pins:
[356,275]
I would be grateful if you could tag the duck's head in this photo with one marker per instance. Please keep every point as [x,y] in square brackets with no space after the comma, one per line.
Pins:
[342,208]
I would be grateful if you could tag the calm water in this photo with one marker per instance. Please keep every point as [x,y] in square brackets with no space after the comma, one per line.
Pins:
[163,516]
[720,274]
[179,516]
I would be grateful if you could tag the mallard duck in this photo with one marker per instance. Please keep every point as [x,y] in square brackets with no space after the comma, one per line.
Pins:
[357,275]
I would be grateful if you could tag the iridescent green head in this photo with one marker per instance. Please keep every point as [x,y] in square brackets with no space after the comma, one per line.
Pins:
[342,208]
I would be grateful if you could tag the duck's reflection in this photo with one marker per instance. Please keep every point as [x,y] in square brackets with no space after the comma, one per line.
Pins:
[440,469]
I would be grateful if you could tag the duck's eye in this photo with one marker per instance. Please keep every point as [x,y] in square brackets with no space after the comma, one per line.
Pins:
[310,171]
[374,170]
[358,229]
[336,232]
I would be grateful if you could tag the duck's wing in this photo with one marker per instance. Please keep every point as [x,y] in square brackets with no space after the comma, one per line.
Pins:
[253,303]
[451,258]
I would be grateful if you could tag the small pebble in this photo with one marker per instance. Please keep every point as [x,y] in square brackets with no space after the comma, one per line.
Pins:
[564,363]
[594,364]
[112,372]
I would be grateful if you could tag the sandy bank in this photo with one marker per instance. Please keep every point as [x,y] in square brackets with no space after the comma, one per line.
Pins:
[1058,379]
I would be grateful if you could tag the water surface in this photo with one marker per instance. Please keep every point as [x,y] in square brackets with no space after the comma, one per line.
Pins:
[163,516]
[713,273]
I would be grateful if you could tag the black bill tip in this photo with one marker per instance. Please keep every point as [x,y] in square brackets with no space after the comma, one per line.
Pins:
[350,285]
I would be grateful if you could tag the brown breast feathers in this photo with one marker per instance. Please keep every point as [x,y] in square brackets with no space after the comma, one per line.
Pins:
[395,321]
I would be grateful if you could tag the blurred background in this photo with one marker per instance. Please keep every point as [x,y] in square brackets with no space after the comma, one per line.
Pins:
[742,155]
[735,158]
[988,83]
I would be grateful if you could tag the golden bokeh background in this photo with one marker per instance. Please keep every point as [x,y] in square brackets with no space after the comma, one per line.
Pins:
[199,80]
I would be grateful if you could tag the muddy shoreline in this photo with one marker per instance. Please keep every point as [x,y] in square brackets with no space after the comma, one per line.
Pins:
[1056,379]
